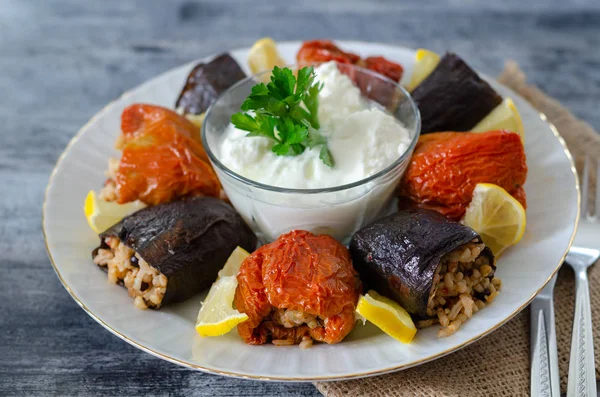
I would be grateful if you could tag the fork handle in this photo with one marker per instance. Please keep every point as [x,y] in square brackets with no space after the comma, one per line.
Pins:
[582,371]
[544,354]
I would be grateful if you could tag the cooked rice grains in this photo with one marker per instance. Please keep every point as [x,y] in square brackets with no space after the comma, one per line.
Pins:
[296,325]
[145,284]
[463,284]
[109,190]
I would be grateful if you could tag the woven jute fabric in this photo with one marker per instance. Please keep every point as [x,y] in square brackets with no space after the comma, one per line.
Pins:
[498,365]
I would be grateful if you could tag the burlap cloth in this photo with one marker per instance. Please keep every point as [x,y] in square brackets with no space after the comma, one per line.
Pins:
[498,365]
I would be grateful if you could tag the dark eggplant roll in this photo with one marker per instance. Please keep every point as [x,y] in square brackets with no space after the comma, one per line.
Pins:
[453,97]
[169,252]
[438,270]
[206,82]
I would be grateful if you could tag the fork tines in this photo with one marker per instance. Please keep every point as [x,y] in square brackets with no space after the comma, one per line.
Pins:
[589,190]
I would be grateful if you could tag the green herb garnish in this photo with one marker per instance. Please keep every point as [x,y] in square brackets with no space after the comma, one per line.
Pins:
[279,116]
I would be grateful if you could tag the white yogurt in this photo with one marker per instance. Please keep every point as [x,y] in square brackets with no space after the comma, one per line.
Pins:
[362,139]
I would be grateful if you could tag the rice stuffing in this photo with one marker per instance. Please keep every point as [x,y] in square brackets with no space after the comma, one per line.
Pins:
[109,190]
[464,283]
[124,266]
[290,327]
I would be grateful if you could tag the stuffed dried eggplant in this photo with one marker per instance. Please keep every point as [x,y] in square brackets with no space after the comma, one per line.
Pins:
[206,82]
[297,289]
[438,270]
[446,167]
[453,97]
[169,252]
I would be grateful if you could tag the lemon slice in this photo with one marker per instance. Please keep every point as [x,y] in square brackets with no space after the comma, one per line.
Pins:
[264,56]
[497,216]
[388,315]
[426,61]
[234,262]
[504,117]
[217,315]
[102,214]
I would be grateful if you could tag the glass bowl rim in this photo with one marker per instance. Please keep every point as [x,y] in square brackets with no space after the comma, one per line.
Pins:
[278,189]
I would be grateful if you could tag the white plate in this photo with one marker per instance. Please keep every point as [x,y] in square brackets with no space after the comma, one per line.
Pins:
[553,212]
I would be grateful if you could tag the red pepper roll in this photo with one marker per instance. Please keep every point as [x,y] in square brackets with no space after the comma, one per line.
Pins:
[446,167]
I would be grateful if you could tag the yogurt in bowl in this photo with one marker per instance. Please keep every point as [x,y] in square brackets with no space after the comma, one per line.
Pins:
[370,125]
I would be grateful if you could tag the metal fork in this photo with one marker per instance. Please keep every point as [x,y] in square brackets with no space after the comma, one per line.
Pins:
[544,354]
[582,372]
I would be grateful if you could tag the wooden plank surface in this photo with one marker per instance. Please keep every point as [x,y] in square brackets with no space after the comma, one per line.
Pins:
[62,61]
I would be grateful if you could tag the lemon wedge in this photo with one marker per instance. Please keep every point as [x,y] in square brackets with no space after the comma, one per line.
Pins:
[102,214]
[196,119]
[387,315]
[217,315]
[503,117]
[426,61]
[497,216]
[234,262]
[264,56]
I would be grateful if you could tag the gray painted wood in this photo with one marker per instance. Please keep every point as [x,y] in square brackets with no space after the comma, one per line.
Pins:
[62,61]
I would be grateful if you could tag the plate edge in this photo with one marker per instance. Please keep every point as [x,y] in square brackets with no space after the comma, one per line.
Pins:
[277,378]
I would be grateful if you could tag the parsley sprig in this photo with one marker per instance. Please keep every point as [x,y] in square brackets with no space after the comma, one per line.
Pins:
[278,113]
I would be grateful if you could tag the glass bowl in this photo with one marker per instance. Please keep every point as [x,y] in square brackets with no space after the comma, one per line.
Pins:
[339,210]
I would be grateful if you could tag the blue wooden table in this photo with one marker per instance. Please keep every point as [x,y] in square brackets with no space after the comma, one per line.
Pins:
[62,61]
